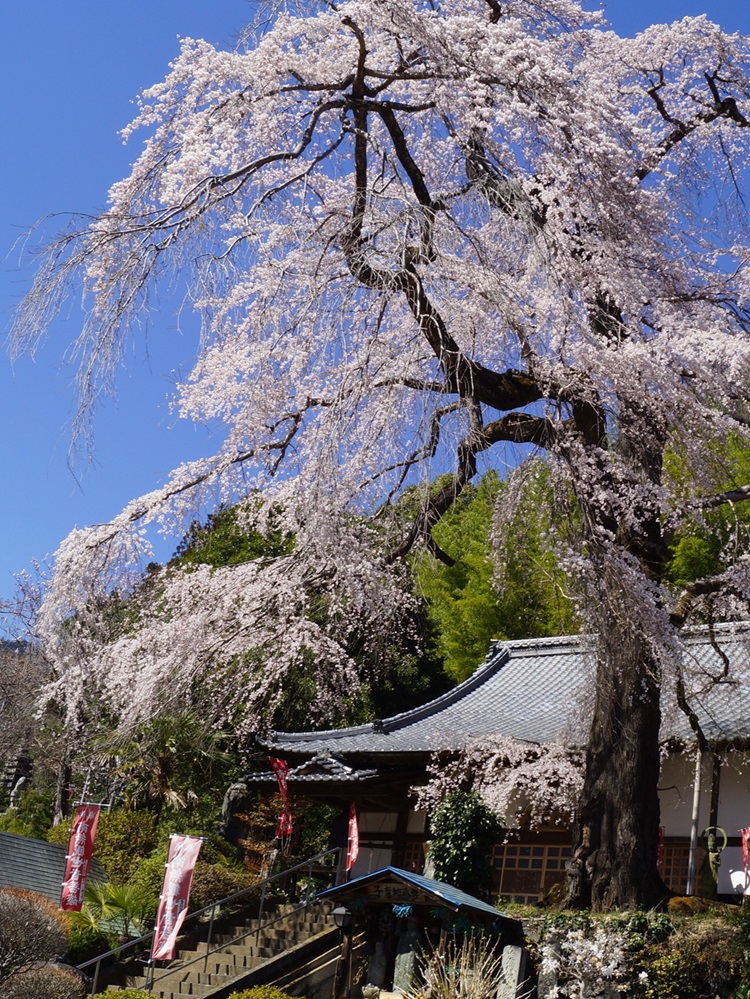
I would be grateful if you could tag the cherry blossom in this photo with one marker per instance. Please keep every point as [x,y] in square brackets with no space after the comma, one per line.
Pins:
[420,236]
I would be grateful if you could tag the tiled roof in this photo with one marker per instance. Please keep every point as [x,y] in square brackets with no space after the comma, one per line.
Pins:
[36,865]
[537,690]
[522,690]
[722,703]
[442,893]
[319,768]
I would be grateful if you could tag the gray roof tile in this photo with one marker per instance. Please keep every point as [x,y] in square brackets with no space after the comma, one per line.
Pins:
[36,865]
[537,690]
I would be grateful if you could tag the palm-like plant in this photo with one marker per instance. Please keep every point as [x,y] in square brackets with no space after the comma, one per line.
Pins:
[166,761]
[126,910]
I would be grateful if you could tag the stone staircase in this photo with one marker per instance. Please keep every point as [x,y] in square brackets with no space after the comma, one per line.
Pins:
[292,946]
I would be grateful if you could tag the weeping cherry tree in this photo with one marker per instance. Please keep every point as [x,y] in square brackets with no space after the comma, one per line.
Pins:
[423,238]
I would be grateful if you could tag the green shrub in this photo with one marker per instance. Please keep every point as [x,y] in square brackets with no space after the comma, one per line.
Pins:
[32,817]
[87,942]
[648,955]
[60,834]
[127,910]
[705,956]
[671,976]
[261,992]
[212,882]
[464,830]
[123,839]
[216,850]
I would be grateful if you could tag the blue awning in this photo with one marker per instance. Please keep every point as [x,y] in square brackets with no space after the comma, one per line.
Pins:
[391,884]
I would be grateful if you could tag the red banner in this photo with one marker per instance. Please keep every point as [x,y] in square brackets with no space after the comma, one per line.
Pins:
[281,769]
[745,837]
[286,819]
[285,825]
[352,851]
[173,904]
[78,859]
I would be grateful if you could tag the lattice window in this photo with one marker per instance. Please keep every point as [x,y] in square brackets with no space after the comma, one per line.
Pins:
[413,856]
[674,865]
[525,871]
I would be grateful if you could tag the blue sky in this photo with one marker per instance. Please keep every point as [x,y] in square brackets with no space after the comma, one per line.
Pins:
[69,70]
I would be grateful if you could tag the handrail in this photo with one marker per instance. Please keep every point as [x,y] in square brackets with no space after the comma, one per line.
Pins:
[212,907]
[153,979]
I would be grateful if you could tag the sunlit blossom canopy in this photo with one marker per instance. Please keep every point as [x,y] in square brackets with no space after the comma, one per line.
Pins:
[419,236]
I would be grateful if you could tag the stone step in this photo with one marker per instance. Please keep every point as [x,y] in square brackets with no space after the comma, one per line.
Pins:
[241,949]
[201,975]
[180,989]
[217,961]
[196,956]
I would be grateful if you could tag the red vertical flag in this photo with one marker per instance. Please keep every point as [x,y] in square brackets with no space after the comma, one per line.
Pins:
[285,825]
[352,851]
[281,769]
[745,837]
[286,819]
[78,859]
[173,904]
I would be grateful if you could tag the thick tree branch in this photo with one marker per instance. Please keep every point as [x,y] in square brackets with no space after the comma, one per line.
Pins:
[438,505]
[692,593]
[739,495]
[721,107]
[519,428]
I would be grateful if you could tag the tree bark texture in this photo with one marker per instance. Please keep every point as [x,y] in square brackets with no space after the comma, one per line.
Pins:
[616,833]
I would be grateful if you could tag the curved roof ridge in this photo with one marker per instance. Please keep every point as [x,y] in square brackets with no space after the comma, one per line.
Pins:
[727,629]
[724,629]
[496,659]
[552,642]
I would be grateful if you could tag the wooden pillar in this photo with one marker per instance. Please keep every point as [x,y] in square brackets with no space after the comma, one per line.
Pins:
[342,975]
[715,789]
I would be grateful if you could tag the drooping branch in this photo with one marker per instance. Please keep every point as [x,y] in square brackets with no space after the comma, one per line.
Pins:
[505,193]
[143,509]
[420,454]
[689,712]
[720,108]
[518,428]
[465,377]
[436,506]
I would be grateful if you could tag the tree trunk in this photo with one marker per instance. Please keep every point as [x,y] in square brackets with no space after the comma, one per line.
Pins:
[62,790]
[616,832]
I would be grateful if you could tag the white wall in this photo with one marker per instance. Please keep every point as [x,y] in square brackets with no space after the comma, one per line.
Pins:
[377,822]
[676,797]
[371,826]
[676,794]
[371,859]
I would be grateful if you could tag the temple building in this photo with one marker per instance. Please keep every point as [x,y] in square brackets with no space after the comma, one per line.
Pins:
[538,691]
